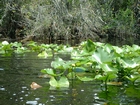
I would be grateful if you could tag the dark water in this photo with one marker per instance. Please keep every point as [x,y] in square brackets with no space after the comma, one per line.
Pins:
[19,71]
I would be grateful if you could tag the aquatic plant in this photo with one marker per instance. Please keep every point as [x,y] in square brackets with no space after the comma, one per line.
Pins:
[103,61]
[89,61]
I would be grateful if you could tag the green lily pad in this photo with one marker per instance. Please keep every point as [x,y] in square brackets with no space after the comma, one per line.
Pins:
[85,78]
[101,56]
[89,46]
[58,63]
[51,72]
[107,68]
[63,82]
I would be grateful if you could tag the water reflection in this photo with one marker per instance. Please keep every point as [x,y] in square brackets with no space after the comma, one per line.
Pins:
[19,71]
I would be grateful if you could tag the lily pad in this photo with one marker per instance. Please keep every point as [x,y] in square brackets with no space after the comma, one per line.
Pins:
[63,82]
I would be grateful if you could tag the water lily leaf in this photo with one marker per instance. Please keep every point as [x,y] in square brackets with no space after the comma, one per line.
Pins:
[63,82]
[50,72]
[67,49]
[108,68]
[53,82]
[111,76]
[58,63]
[43,54]
[75,54]
[127,63]
[137,60]
[99,44]
[68,64]
[106,77]
[89,46]
[85,78]
[102,56]
[133,78]
[108,48]
[135,47]
[117,49]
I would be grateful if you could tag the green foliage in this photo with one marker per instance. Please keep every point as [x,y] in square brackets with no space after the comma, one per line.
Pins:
[63,82]
[111,62]
[101,62]
[68,18]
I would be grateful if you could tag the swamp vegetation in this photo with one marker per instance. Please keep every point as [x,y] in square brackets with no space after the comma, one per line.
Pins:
[113,72]
[46,27]
[111,64]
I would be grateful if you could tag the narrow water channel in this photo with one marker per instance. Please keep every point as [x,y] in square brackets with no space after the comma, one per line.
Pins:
[17,72]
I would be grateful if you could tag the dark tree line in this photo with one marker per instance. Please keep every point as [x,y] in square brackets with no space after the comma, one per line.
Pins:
[69,19]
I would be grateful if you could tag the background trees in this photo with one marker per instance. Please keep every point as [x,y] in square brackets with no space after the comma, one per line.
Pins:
[69,19]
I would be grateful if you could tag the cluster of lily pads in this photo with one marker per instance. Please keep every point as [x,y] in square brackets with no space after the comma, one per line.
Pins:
[92,61]
[89,61]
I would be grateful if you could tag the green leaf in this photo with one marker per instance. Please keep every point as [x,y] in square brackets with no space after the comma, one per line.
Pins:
[118,50]
[48,71]
[136,47]
[127,63]
[106,77]
[101,56]
[53,82]
[85,78]
[89,46]
[108,48]
[133,78]
[63,82]
[43,54]
[108,68]
[58,63]
[51,72]
[100,77]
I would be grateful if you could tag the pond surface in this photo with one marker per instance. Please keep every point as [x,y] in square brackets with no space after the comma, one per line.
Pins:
[17,72]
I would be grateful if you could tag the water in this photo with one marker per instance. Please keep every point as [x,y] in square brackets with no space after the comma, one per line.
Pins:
[19,71]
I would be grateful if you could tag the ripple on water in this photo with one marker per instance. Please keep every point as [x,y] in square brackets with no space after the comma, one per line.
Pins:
[32,102]
[2,88]
[1,69]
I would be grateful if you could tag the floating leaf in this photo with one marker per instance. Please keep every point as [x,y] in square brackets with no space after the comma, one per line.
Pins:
[106,77]
[101,56]
[50,72]
[43,54]
[133,78]
[108,48]
[107,68]
[85,78]
[63,82]
[53,82]
[58,63]
[89,46]
[127,63]
[118,49]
